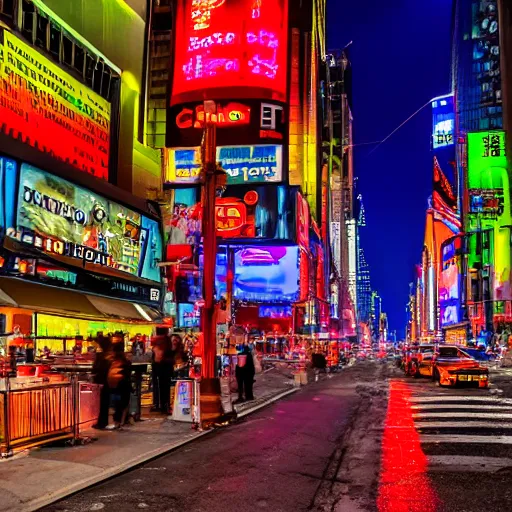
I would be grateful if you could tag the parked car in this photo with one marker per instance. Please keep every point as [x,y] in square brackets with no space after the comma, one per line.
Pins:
[415,358]
[450,365]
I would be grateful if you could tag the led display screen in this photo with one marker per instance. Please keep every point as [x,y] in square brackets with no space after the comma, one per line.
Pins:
[7,193]
[230,49]
[443,122]
[487,164]
[266,274]
[243,164]
[50,110]
[188,316]
[79,227]
[242,212]
[275,312]
[449,286]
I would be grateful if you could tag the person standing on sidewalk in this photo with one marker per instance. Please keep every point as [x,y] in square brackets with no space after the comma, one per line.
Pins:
[100,370]
[119,382]
[245,372]
[162,368]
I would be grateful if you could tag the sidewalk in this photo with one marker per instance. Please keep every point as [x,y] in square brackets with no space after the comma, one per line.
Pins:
[37,477]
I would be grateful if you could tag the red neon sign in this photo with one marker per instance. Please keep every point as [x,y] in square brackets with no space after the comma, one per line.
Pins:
[230,46]
[227,116]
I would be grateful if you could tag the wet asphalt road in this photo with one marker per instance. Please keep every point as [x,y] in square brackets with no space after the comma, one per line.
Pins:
[322,449]
[284,458]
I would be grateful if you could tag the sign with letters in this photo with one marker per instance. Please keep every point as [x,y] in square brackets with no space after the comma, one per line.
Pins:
[79,227]
[260,163]
[47,108]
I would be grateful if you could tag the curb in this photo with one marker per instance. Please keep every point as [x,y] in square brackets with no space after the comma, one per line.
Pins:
[105,475]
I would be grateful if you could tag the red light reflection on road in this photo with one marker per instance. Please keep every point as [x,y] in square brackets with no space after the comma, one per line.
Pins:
[404,485]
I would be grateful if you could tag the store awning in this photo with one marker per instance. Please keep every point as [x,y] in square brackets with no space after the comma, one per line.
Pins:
[48,299]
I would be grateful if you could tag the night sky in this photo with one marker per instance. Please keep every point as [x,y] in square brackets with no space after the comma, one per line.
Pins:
[400,58]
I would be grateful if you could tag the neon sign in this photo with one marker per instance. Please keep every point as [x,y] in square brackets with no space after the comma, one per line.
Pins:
[50,110]
[231,114]
[234,47]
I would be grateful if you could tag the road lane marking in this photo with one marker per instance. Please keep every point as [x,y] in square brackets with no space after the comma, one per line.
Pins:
[461,424]
[464,415]
[464,438]
[467,463]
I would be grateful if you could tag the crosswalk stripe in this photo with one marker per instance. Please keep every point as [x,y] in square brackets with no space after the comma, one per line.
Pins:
[472,407]
[456,398]
[463,415]
[464,438]
[467,463]
[461,424]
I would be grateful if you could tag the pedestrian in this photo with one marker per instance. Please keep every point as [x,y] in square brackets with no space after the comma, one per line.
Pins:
[119,382]
[245,372]
[162,368]
[100,368]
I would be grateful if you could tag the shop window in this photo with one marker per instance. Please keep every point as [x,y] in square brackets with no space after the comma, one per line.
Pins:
[24,321]
[3,324]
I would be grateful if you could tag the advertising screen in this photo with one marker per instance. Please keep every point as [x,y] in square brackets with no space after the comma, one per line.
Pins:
[7,193]
[188,316]
[242,212]
[50,110]
[449,286]
[275,312]
[77,226]
[243,164]
[230,49]
[487,164]
[266,274]
[443,122]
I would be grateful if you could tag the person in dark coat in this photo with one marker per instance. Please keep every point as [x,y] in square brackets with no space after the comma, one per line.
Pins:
[120,384]
[162,368]
[100,370]
[245,375]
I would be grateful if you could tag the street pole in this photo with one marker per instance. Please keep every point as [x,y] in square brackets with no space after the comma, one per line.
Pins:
[211,407]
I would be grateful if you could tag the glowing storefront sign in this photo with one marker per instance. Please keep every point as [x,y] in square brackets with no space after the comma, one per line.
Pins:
[232,47]
[81,228]
[228,116]
[50,110]
[352,259]
[443,121]
[243,164]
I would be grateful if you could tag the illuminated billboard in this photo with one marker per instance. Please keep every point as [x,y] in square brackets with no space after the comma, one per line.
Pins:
[47,108]
[443,121]
[243,164]
[7,193]
[243,212]
[487,173]
[228,49]
[266,274]
[81,228]
[449,284]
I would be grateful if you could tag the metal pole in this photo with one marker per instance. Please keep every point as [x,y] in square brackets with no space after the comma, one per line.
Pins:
[209,240]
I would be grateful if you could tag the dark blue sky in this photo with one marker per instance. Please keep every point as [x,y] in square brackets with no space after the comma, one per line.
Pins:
[400,58]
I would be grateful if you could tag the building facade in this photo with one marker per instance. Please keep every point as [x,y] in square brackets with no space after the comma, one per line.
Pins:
[79,251]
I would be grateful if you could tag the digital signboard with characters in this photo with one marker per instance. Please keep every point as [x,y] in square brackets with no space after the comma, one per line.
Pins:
[81,228]
[243,164]
[230,49]
[50,110]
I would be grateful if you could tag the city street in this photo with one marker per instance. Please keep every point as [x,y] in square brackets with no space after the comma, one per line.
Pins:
[320,449]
